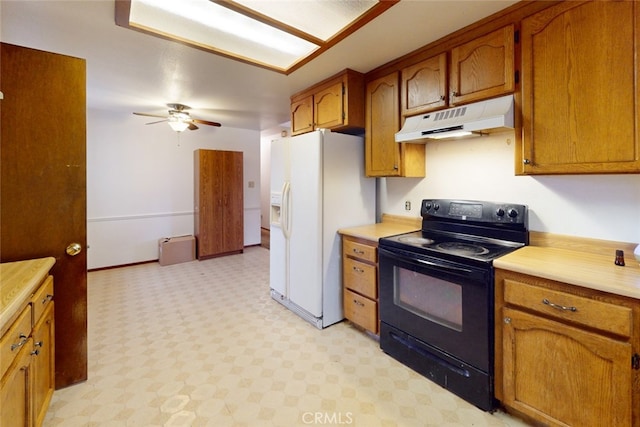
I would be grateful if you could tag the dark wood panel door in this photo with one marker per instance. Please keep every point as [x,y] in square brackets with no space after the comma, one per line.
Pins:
[43,185]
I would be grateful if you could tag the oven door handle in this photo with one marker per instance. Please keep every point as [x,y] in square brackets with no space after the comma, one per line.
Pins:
[446,267]
[425,262]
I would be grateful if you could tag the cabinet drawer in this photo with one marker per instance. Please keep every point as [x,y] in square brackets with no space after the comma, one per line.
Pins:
[360,277]
[360,250]
[361,311]
[14,339]
[42,298]
[562,305]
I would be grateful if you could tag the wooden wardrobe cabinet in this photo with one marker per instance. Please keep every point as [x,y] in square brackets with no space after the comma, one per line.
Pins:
[219,203]
[580,89]
[383,155]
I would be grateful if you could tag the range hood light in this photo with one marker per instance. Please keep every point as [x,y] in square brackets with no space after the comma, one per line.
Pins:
[454,134]
[490,116]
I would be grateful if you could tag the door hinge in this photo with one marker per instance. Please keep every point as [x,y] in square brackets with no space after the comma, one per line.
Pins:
[517,76]
[343,116]
[343,90]
[635,361]
[516,36]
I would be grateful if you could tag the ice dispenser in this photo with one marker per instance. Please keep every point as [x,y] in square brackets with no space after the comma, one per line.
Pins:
[276,208]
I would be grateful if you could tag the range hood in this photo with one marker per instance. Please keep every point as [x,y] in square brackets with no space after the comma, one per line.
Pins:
[493,115]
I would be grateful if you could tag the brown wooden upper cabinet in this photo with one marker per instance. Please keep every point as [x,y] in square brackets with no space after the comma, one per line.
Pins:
[483,68]
[383,155]
[424,86]
[580,89]
[336,103]
[479,69]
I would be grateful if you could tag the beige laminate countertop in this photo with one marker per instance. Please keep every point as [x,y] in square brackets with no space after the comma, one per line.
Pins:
[18,280]
[576,268]
[373,232]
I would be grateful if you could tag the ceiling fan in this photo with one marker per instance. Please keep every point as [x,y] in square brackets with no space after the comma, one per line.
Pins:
[179,119]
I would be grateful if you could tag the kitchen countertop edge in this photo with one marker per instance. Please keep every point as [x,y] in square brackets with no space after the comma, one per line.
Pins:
[18,281]
[583,269]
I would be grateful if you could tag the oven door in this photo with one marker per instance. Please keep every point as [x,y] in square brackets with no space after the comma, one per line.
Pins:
[445,304]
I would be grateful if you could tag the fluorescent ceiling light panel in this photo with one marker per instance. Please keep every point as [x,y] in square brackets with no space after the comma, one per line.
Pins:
[276,34]
[322,19]
[206,24]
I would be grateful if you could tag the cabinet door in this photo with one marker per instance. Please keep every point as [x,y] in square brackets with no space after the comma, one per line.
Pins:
[302,115]
[564,375]
[424,86]
[14,391]
[580,93]
[382,121]
[233,212]
[483,68]
[328,107]
[43,365]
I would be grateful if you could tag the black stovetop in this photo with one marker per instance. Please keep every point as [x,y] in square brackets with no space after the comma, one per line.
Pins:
[451,245]
[465,229]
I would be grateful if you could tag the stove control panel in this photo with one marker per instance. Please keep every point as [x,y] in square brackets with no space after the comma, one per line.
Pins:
[474,210]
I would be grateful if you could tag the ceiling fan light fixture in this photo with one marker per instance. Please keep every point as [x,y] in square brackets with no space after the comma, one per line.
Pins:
[178,124]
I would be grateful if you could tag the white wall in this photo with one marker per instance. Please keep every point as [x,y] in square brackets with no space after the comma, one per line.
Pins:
[140,184]
[596,206]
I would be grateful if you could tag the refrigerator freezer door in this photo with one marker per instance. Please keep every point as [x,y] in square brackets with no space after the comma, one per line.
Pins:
[305,216]
[278,245]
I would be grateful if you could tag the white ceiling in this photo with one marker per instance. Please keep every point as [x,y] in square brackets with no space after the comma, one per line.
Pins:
[130,71]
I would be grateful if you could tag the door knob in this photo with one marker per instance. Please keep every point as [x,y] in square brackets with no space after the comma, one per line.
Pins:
[74,249]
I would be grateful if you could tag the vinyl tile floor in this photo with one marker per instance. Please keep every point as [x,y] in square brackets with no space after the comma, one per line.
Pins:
[202,344]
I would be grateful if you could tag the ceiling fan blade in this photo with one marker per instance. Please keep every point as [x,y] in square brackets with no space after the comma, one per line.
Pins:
[150,115]
[192,126]
[159,121]
[205,122]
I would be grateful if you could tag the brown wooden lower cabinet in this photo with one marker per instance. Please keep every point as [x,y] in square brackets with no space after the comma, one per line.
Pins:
[566,355]
[360,282]
[27,361]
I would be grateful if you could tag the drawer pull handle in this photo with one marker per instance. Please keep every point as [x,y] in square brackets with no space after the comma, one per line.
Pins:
[558,306]
[46,299]
[358,251]
[23,339]
[358,270]
[356,302]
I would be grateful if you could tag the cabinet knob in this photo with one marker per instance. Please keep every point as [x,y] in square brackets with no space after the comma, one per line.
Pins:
[507,320]
[526,161]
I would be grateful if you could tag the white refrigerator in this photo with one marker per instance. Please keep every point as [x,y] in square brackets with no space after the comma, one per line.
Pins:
[318,185]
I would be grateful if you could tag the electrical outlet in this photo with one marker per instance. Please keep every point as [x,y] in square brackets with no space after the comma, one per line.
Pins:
[407,205]
[252,184]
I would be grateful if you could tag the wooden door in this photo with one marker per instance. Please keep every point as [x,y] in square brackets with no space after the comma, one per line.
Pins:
[43,185]
[564,375]
[328,107]
[580,90]
[483,68]
[382,121]
[424,86]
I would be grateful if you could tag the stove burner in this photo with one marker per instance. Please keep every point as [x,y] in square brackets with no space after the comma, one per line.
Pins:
[462,248]
[413,240]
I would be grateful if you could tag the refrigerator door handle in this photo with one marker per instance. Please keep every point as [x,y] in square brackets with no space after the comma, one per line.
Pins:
[286,209]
